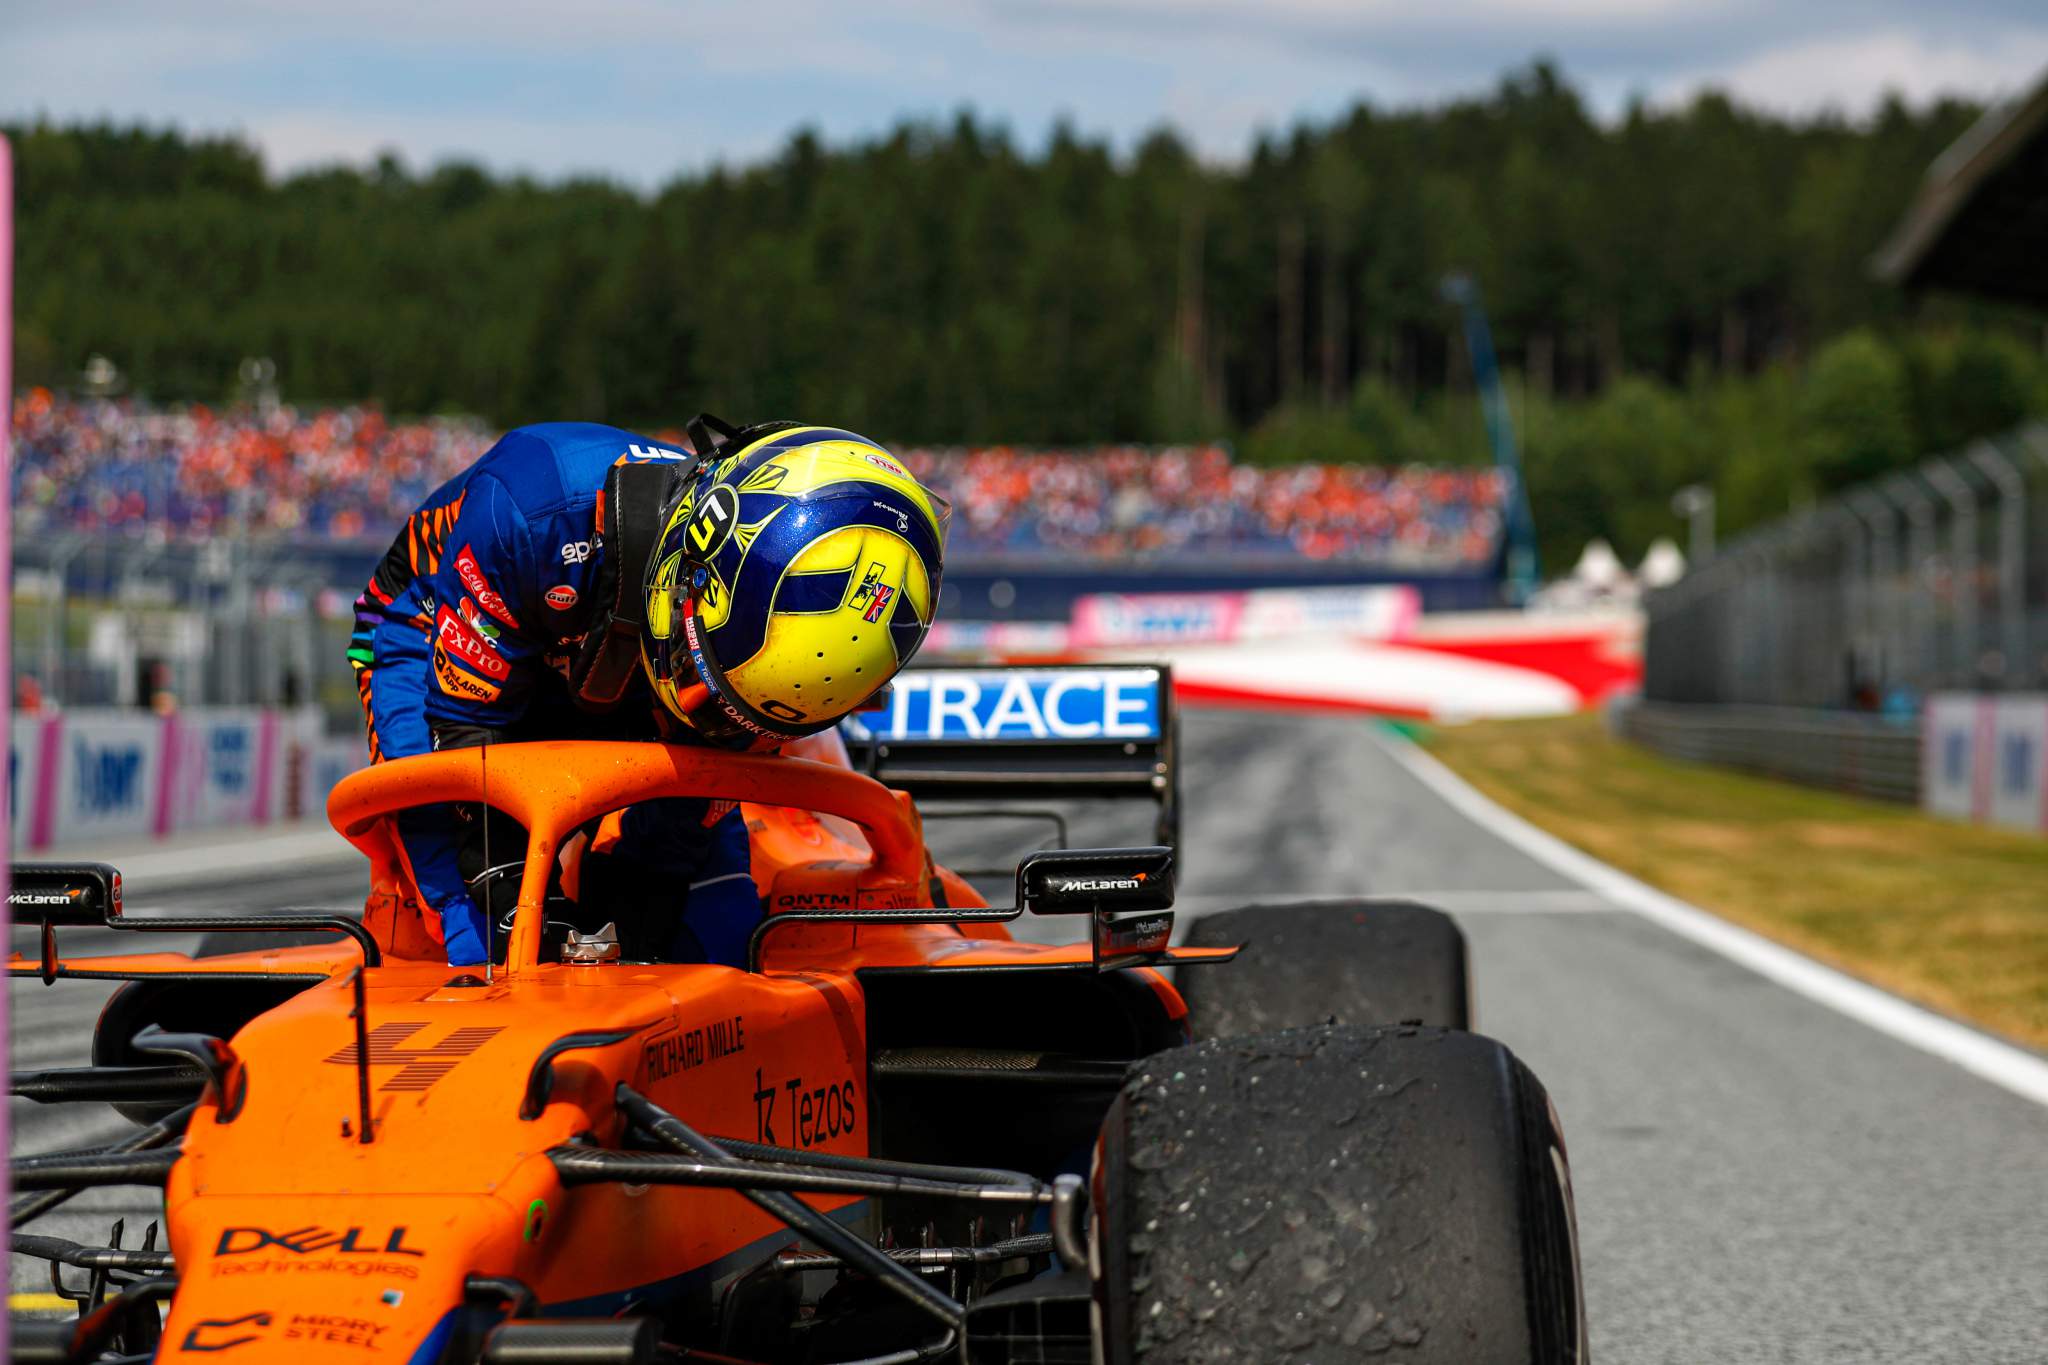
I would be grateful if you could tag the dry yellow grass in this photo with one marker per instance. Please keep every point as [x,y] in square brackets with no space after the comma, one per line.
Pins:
[1953,916]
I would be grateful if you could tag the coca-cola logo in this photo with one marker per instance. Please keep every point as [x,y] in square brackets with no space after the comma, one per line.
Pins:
[472,576]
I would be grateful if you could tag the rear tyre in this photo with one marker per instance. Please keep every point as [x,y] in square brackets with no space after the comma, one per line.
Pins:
[1347,962]
[1336,1193]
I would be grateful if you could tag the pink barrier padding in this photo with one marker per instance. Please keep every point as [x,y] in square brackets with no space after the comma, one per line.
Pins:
[2042,760]
[49,754]
[6,536]
[2044,778]
[166,779]
[266,758]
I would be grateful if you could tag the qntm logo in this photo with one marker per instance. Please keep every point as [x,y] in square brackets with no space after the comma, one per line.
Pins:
[108,777]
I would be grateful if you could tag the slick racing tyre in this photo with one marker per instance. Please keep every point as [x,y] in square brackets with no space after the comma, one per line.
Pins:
[1331,1194]
[1347,962]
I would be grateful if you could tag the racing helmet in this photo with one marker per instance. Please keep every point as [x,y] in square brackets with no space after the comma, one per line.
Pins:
[797,571]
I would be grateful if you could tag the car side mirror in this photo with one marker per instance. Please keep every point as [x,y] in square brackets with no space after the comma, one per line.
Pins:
[66,895]
[1082,881]
[1104,883]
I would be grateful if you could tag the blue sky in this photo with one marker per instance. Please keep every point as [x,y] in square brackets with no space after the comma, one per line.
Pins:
[639,90]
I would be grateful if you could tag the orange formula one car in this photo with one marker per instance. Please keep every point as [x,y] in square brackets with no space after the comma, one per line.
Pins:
[899,1135]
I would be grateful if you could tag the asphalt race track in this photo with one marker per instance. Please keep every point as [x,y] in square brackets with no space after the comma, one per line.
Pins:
[1758,1178]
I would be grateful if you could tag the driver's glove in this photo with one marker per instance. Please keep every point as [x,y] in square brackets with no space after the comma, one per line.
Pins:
[464,932]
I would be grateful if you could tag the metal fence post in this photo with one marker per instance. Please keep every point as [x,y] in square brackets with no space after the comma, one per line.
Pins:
[1881,570]
[1962,576]
[2012,557]
[1848,591]
[1905,494]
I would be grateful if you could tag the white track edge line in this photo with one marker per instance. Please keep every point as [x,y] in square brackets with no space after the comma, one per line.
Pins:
[2003,1064]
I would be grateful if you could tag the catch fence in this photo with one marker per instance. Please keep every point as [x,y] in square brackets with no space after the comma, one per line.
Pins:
[1934,579]
[107,620]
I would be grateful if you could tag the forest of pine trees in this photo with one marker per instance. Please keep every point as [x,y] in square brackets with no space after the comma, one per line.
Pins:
[1678,294]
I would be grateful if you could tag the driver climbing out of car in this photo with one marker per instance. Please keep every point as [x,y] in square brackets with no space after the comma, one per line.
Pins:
[583,582]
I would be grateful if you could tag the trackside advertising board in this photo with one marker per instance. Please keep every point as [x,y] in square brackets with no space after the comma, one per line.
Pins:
[1112,620]
[1985,758]
[107,778]
[1071,705]
[83,775]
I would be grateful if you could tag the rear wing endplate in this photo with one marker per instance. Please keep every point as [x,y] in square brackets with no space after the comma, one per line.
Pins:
[1067,730]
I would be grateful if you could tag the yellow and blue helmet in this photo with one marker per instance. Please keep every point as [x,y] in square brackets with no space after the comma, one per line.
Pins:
[796,573]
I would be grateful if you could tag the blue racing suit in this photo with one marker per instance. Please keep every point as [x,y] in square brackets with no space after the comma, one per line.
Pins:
[467,633]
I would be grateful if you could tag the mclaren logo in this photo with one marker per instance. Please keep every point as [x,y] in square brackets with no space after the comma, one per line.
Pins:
[1078,885]
[71,897]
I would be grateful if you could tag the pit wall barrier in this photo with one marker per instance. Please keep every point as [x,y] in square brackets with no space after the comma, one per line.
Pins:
[1844,751]
[1984,758]
[77,776]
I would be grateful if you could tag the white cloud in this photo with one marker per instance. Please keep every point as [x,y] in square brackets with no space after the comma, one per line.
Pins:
[639,153]
[1852,74]
[641,88]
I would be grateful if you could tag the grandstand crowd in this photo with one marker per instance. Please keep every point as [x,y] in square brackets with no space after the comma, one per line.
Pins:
[349,473]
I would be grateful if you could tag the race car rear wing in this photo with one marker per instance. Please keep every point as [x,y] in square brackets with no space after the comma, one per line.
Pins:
[1067,730]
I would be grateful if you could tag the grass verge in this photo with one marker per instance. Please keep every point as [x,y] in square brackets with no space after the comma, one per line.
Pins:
[1953,916]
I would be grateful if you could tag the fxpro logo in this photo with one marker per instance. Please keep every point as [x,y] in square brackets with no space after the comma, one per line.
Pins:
[1076,885]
